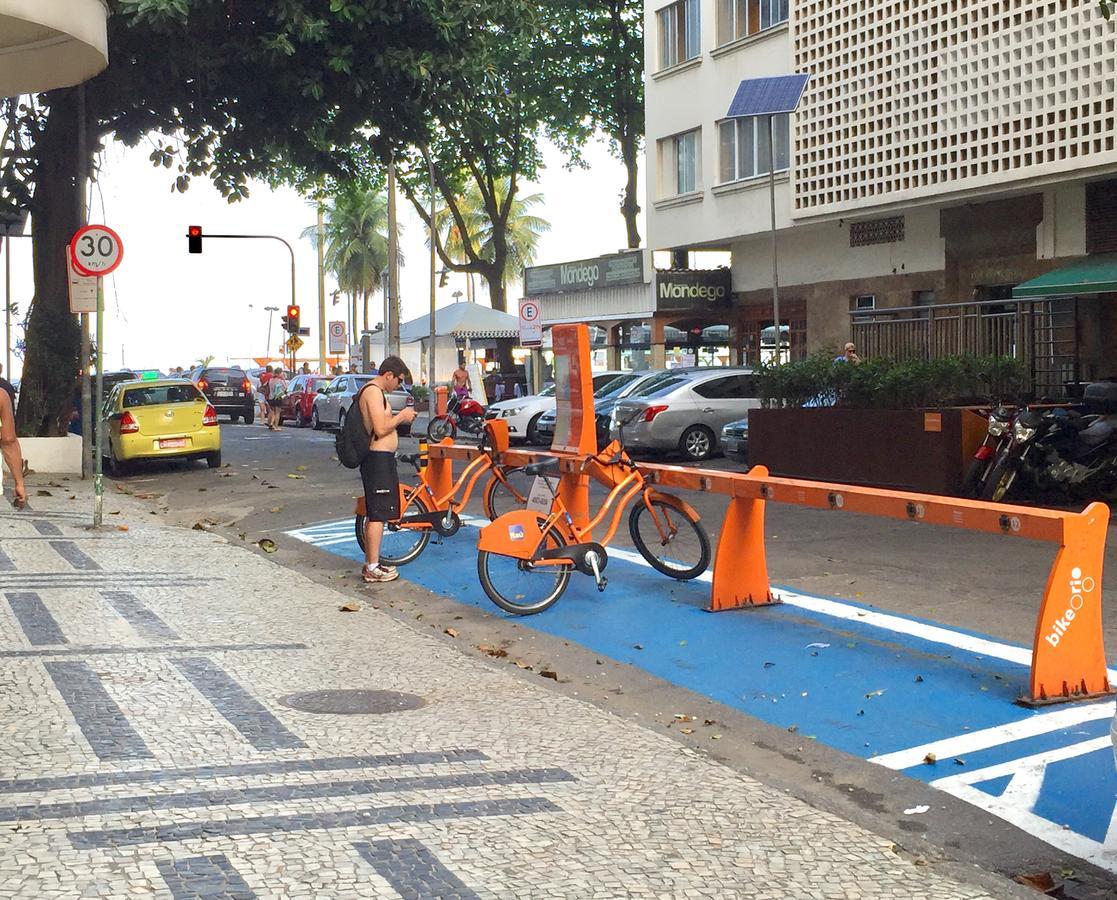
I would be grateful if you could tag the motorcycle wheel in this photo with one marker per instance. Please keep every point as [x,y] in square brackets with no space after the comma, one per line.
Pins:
[441,427]
[975,478]
[1000,480]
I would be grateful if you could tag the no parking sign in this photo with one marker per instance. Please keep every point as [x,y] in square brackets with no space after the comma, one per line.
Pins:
[531,323]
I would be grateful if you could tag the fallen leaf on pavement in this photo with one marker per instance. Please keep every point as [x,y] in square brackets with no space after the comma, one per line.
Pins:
[351,606]
[547,673]
[276,509]
[1041,881]
[121,527]
[930,759]
[302,468]
[872,694]
[41,493]
[495,652]
[687,730]
[637,646]
[267,545]
[453,632]
[292,475]
[683,717]
[198,526]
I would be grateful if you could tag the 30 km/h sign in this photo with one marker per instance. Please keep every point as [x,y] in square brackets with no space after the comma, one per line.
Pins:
[96,250]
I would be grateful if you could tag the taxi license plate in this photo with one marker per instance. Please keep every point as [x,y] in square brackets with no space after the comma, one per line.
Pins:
[172,443]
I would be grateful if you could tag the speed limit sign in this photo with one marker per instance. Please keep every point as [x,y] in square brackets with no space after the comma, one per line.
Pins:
[96,250]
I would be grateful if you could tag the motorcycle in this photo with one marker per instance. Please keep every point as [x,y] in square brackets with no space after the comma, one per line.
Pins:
[462,412]
[1062,449]
[997,437]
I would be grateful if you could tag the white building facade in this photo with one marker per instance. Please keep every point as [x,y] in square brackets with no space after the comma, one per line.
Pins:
[943,152]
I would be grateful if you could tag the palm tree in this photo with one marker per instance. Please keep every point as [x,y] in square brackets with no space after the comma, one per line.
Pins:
[522,231]
[356,236]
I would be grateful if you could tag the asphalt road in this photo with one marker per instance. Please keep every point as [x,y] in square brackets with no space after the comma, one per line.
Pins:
[990,584]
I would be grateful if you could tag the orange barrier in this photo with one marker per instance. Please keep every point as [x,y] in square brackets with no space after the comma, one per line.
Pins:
[1068,652]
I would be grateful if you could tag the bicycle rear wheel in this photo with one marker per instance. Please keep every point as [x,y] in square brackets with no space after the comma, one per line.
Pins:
[504,496]
[400,545]
[518,587]
[671,541]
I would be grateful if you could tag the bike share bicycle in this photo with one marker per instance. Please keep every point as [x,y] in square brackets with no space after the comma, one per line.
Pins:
[423,513]
[525,557]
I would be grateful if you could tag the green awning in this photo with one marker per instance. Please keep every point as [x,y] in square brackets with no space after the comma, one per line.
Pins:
[1095,274]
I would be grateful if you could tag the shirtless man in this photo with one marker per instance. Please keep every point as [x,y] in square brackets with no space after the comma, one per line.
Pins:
[460,382]
[9,447]
[378,471]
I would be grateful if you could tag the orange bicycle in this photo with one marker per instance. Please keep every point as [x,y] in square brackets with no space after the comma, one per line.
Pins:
[422,513]
[525,558]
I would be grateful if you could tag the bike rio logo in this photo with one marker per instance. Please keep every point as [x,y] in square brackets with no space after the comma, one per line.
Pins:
[1079,587]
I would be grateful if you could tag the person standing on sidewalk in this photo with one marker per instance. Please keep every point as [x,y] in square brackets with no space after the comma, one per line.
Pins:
[265,377]
[9,446]
[277,390]
[378,471]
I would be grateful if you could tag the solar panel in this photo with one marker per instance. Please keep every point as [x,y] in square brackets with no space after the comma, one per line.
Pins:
[768,96]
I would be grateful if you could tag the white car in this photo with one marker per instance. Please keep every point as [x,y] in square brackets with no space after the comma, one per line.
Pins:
[522,413]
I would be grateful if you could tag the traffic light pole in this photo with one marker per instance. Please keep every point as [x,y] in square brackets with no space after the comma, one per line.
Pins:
[266,237]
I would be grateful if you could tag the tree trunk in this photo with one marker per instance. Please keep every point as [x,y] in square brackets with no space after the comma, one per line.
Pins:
[366,293]
[630,209]
[52,363]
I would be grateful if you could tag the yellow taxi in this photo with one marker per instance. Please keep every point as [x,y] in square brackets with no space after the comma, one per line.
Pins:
[159,419]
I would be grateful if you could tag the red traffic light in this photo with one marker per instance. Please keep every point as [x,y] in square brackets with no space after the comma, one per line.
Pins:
[292,322]
[293,311]
[194,238]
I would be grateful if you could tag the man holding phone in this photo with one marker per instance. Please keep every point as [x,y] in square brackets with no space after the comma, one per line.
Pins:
[9,447]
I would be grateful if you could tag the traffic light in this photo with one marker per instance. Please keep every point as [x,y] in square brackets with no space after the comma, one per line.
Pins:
[291,322]
[283,323]
[194,238]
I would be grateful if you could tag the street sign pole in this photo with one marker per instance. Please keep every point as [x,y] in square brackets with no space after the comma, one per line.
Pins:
[98,425]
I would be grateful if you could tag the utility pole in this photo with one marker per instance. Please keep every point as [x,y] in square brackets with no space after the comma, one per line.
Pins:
[391,323]
[434,331]
[323,366]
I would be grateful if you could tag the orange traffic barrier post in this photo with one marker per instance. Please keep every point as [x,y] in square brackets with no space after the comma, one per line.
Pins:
[441,400]
[1068,652]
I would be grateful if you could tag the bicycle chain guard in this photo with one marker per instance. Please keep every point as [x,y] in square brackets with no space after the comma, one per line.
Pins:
[578,553]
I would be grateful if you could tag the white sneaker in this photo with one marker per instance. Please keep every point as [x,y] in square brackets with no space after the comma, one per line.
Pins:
[378,574]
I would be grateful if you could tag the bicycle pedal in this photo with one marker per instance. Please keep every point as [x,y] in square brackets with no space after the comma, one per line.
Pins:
[601,585]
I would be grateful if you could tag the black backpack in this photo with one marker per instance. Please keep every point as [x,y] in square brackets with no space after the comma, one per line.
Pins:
[353,438]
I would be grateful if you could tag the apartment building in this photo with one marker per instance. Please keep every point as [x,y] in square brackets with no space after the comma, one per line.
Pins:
[945,155]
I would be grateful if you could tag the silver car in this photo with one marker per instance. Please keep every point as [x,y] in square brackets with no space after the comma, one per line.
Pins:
[333,402]
[685,411]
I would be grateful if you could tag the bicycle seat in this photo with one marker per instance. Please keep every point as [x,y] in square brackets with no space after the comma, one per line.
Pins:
[546,467]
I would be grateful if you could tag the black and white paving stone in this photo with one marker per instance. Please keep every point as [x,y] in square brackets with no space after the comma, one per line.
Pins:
[147,752]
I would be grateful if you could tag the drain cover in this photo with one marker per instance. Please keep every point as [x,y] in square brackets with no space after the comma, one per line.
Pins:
[352,703]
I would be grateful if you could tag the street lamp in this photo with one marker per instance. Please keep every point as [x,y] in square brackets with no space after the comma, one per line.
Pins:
[270,310]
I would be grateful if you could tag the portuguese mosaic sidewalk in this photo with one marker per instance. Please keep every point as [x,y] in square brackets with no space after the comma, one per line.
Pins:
[169,729]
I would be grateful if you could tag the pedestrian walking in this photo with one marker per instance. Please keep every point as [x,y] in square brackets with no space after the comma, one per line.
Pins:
[378,470]
[265,377]
[9,445]
[277,390]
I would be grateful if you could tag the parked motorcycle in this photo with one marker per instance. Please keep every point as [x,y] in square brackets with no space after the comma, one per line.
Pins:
[462,412]
[1062,450]
[997,437]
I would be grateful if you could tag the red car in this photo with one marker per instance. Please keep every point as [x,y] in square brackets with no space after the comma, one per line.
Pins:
[299,401]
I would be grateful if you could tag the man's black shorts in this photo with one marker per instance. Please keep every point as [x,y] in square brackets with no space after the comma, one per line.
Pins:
[381,481]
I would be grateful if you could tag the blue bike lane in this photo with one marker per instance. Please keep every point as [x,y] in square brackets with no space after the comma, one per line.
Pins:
[936,703]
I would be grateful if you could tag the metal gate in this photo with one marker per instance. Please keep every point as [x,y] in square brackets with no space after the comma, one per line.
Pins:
[1041,332]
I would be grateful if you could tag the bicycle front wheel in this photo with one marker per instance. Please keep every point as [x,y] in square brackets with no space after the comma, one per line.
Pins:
[507,495]
[671,541]
[517,586]
[401,545]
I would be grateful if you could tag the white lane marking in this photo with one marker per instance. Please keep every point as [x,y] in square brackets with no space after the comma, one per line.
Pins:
[1062,838]
[973,741]
[1013,766]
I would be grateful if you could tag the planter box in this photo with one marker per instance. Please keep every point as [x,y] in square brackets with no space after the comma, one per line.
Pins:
[910,450]
[53,455]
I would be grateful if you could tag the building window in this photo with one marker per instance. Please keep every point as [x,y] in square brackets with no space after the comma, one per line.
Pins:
[678,33]
[863,303]
[678,158]
[744,150]
[740,18]
[877,231]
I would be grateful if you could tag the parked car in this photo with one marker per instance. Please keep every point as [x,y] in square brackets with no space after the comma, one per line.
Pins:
[299,402]
[332,402]
[735,438]
[686,411]
[604,399]
[522,414]
[166,418]
[228,389]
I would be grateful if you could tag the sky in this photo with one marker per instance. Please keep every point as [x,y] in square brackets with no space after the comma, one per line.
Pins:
[166,307]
